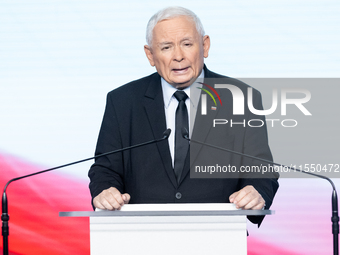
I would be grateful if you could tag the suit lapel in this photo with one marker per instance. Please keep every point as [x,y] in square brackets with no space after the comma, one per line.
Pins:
[201,128]
[154,107]
[203,123]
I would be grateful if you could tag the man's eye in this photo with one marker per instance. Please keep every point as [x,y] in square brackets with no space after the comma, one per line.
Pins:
[165,48]
[188,44]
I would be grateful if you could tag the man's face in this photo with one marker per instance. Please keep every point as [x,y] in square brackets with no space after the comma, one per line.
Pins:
[178,51]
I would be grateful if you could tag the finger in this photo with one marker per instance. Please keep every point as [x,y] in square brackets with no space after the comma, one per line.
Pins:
[111,203]
[116,194]
[97,204]
[255,204]
[101,203]
[252,199]
[126,197]
[243,201]
[239,196]
[108,205]
[259,206]
[244,196]
[107,199]
[232,197]
[115,200]
[116,205]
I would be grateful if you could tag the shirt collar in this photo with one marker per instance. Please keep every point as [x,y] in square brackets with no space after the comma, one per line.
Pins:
[169,90]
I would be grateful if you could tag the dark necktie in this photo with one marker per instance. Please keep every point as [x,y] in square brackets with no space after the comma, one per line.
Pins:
[181,144]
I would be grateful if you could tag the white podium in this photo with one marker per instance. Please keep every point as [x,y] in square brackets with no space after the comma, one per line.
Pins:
[164,229]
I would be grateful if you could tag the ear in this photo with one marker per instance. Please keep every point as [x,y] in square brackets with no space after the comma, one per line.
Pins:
[149,55]
[206,45]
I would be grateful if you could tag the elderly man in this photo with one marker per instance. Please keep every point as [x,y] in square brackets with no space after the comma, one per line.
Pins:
[141,110]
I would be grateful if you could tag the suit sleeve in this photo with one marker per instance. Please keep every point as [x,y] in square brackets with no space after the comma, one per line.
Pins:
[107,171]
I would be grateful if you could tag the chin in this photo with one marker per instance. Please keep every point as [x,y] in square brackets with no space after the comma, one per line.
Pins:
[183,83]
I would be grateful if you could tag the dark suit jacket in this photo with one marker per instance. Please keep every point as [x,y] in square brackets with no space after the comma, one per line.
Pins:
[135,113]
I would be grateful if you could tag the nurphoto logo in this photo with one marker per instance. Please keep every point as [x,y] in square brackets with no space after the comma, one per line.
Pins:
[204,98]
[238,99]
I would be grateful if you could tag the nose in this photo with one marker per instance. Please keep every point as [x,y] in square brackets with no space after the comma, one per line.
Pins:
[178,54]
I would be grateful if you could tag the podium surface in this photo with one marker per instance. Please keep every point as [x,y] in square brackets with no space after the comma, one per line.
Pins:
[169,229]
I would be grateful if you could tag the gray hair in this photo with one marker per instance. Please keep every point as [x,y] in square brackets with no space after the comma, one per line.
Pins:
[169,13]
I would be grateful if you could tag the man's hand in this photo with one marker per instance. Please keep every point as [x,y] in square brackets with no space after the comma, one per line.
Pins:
[247,198]
[111,199]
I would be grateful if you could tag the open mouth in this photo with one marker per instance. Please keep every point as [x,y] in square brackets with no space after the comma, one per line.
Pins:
[181,70]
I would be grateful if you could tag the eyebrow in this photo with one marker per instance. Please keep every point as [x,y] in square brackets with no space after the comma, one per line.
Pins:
[167,43]
[187,38]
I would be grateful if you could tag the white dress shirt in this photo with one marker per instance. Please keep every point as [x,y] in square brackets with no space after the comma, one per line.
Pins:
[170,106]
